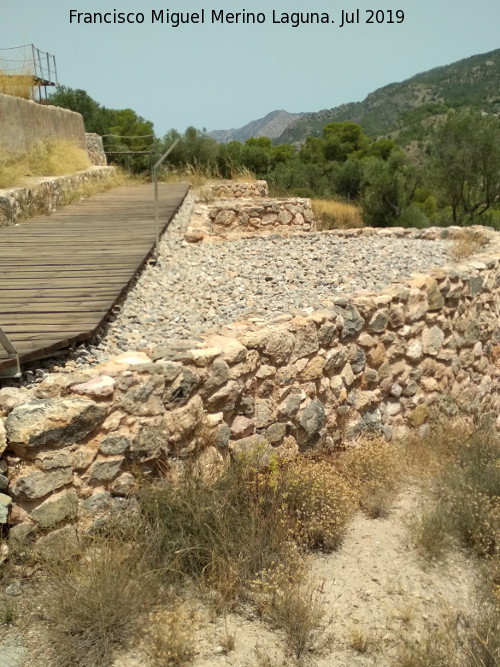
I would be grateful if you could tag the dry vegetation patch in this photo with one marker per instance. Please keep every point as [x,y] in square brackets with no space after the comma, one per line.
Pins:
[193,552]
[17,85]
[468,242]
[331,214]
[45,158]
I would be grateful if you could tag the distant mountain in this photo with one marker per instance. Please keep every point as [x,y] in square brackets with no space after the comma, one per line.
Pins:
[404,109]
[273,125]
[401,110]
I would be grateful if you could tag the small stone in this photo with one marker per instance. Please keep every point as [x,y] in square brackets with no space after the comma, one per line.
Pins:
[3,438]
[99,387]
[5,504]
[242,427]
[419,415]
[414,350]
[376,356]
[14,589]
[114,444]
[123,485]
[96,503]
[56,508]
[276,432]
[62,421]
[347,375]
[37,484]
[432,340]
[103,470]
[312,417]
[290,406]
[378,322]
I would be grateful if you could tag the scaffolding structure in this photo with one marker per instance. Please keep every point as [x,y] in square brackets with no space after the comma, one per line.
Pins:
[26,71]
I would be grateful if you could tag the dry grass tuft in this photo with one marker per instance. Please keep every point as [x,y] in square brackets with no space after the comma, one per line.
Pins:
[466,505]
[290,602]
[92,602]
[438,648]
[318,502]
[171,635]
[375,469]
[363,642]
[90,189]
[199,176]
[336,215]
[17,85]
[45,158]
[467,242]
[429,532]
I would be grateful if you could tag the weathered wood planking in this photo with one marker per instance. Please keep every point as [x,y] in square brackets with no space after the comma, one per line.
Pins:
[60,275]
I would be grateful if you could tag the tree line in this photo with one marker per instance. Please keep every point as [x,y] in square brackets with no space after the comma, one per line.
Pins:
[458,182]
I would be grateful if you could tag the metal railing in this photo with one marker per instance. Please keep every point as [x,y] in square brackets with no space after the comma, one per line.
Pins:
[44,66]
[155,182]
[28,61]
[13,370]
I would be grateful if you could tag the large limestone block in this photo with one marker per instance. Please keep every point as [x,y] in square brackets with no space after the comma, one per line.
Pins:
[55,509]
[34,485]
[312,417]
[57,420]
[3,439]
[276,343]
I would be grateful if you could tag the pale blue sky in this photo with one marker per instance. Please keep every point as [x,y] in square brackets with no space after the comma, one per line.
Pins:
[223,76]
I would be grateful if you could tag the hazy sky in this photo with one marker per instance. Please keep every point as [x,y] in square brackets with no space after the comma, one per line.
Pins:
[222,75]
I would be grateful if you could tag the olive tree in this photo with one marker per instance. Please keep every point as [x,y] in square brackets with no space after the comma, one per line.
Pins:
[466,163]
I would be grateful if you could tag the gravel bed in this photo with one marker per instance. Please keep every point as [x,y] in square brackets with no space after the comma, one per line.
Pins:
[197,287]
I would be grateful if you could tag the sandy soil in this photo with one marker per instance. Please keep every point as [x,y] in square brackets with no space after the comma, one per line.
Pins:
[376,591]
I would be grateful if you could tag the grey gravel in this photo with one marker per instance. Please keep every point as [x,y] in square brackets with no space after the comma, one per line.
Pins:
[196,287]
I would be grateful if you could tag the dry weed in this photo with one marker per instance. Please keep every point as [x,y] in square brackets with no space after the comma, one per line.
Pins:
[363,641]
[93,601]
[171,635]
[336,215]
[374,467]
[317,502]
[429,532]
[45,158]
[91,189]
[438,648]
[467,242]
[17,85]
[290,602]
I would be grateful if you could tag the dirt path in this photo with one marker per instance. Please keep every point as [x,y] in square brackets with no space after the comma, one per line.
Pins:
[377,591]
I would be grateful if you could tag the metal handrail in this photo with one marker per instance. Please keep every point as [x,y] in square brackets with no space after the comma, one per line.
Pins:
[11,354]
[155,181]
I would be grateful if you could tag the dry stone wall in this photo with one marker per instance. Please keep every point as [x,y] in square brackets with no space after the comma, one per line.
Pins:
[44,195]
[233,218]
[95,149]
[235,189]
[372,362]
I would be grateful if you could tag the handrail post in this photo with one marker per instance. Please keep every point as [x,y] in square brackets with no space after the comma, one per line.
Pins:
[155,181]
[11,354]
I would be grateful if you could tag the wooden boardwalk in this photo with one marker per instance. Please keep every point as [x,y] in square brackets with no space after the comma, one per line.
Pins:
[60,275]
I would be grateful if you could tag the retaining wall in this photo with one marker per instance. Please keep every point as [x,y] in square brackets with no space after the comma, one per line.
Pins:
[372,362]
[44,195]
[235,189]
[24,122]
[95,149]
[242,217]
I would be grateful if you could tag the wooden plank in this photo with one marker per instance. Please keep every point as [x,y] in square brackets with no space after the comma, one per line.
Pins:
[61,274]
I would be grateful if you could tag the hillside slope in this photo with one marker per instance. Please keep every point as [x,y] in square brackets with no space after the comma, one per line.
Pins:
[273,125]
[473,83]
